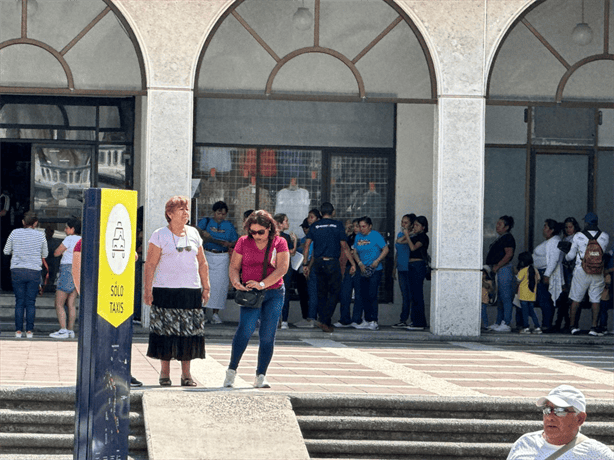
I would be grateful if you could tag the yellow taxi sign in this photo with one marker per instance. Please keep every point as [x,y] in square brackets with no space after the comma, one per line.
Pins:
[116,257]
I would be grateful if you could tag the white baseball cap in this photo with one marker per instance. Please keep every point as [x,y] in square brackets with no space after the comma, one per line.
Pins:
[565,396]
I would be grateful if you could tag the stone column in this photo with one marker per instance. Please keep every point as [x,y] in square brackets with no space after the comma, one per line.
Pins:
[458,217]
[168,164]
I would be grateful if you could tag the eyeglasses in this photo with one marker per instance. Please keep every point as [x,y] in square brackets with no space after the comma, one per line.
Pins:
[187,248]
[558,411]
[257,232]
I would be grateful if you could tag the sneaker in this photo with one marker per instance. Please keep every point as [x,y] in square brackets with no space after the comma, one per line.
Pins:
[575,330]
[305,323]
[594,332]
[229,381]
[537,330]
[284,325]
[29,334]
[492,327]
[411,327]
[363,325]
[373,326]
[340,324]
[261,382]
[134,383]
[61,334]
[71,334]
[526,330]
[215,319]
[401,325]
[18,334]
[503,328]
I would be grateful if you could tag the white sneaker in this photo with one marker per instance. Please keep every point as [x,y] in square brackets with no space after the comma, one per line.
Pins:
[340,324]
[537,330]
[526,330]
[71,334]
[575,330]
[284,325]
[373,326]
[29,335]
[503,328]
[215,319]
[61,334]
[261,382]
[18,334]
[492,327]
[229,381]
[363,325]
[305,323]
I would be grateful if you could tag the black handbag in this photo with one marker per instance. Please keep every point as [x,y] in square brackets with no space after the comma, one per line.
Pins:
[254,297]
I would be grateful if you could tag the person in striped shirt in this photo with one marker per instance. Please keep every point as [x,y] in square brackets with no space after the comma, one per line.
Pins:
[28,248]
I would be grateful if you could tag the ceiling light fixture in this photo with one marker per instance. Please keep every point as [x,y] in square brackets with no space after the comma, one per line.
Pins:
[582,34]
[303,18]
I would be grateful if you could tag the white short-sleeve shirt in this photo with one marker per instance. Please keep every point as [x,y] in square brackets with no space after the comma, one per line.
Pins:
[533,446]
[177,269]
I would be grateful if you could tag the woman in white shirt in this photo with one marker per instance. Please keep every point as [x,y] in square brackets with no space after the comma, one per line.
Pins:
[177,288]
[547,260]
[65,292]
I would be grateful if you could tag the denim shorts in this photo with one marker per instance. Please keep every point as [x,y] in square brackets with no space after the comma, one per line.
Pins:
[65,282]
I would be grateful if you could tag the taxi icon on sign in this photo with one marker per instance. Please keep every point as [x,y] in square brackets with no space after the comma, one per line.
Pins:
[119,243]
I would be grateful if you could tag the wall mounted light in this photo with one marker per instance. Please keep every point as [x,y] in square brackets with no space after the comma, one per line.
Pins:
[582,34]
[302,19]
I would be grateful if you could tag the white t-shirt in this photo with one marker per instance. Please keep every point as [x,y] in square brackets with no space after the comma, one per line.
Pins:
[580,243]
[533,446]
[69,242]
[177,269]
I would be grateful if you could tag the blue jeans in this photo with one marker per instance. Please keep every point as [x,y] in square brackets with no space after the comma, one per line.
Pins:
[528,310]
[287,281]
[506,290]
[328,274]
[485,315]
[25,287]
[312,290]
[417,273]
[268,315]
[405,294]
[345,296]
[368,294]
[544,300]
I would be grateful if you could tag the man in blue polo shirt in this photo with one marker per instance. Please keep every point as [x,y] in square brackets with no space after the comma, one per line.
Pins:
[219,236]
[329,240]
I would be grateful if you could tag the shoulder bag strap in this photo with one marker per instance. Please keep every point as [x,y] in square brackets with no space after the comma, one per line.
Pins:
[266,261]
[570,445]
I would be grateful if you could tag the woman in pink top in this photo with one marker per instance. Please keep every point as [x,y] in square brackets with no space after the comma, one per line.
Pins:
[248,260]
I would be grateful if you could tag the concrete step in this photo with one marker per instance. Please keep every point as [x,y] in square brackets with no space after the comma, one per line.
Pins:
[406,427]
[41,421]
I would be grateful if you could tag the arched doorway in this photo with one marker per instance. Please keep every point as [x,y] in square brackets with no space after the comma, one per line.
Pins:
[306,96]
[69,73]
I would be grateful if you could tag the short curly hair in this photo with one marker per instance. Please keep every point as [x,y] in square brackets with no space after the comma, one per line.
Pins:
[264,219]
[173,203]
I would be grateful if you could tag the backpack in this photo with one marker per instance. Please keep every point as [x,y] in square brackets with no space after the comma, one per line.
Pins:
[592,262]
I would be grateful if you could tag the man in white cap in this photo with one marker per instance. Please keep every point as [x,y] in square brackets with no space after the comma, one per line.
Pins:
[564,412]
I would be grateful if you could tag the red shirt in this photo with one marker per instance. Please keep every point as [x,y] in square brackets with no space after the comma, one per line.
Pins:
[77,247]
[253,259]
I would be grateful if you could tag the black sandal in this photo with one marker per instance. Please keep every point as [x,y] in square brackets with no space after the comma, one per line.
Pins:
[188,382]
[165,381]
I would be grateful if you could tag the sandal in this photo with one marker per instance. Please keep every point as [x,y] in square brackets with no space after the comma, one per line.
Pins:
[188,382]
[165,381]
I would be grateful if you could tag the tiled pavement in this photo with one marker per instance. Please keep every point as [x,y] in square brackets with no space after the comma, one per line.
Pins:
[318,364]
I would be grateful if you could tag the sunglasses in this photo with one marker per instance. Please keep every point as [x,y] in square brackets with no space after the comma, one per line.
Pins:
[257,232]
[558,411]
[187,248]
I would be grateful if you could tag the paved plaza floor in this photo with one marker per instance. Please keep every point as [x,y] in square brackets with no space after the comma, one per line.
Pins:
[319,364]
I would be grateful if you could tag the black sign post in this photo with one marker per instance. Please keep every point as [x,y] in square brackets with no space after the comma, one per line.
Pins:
[102,421]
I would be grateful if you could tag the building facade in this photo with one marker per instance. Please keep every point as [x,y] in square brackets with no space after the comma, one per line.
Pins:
[458,110]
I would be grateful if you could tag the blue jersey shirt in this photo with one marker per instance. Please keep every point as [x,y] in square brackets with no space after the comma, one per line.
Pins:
[370,247]
[402,255]
[326,235]
[224,231]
